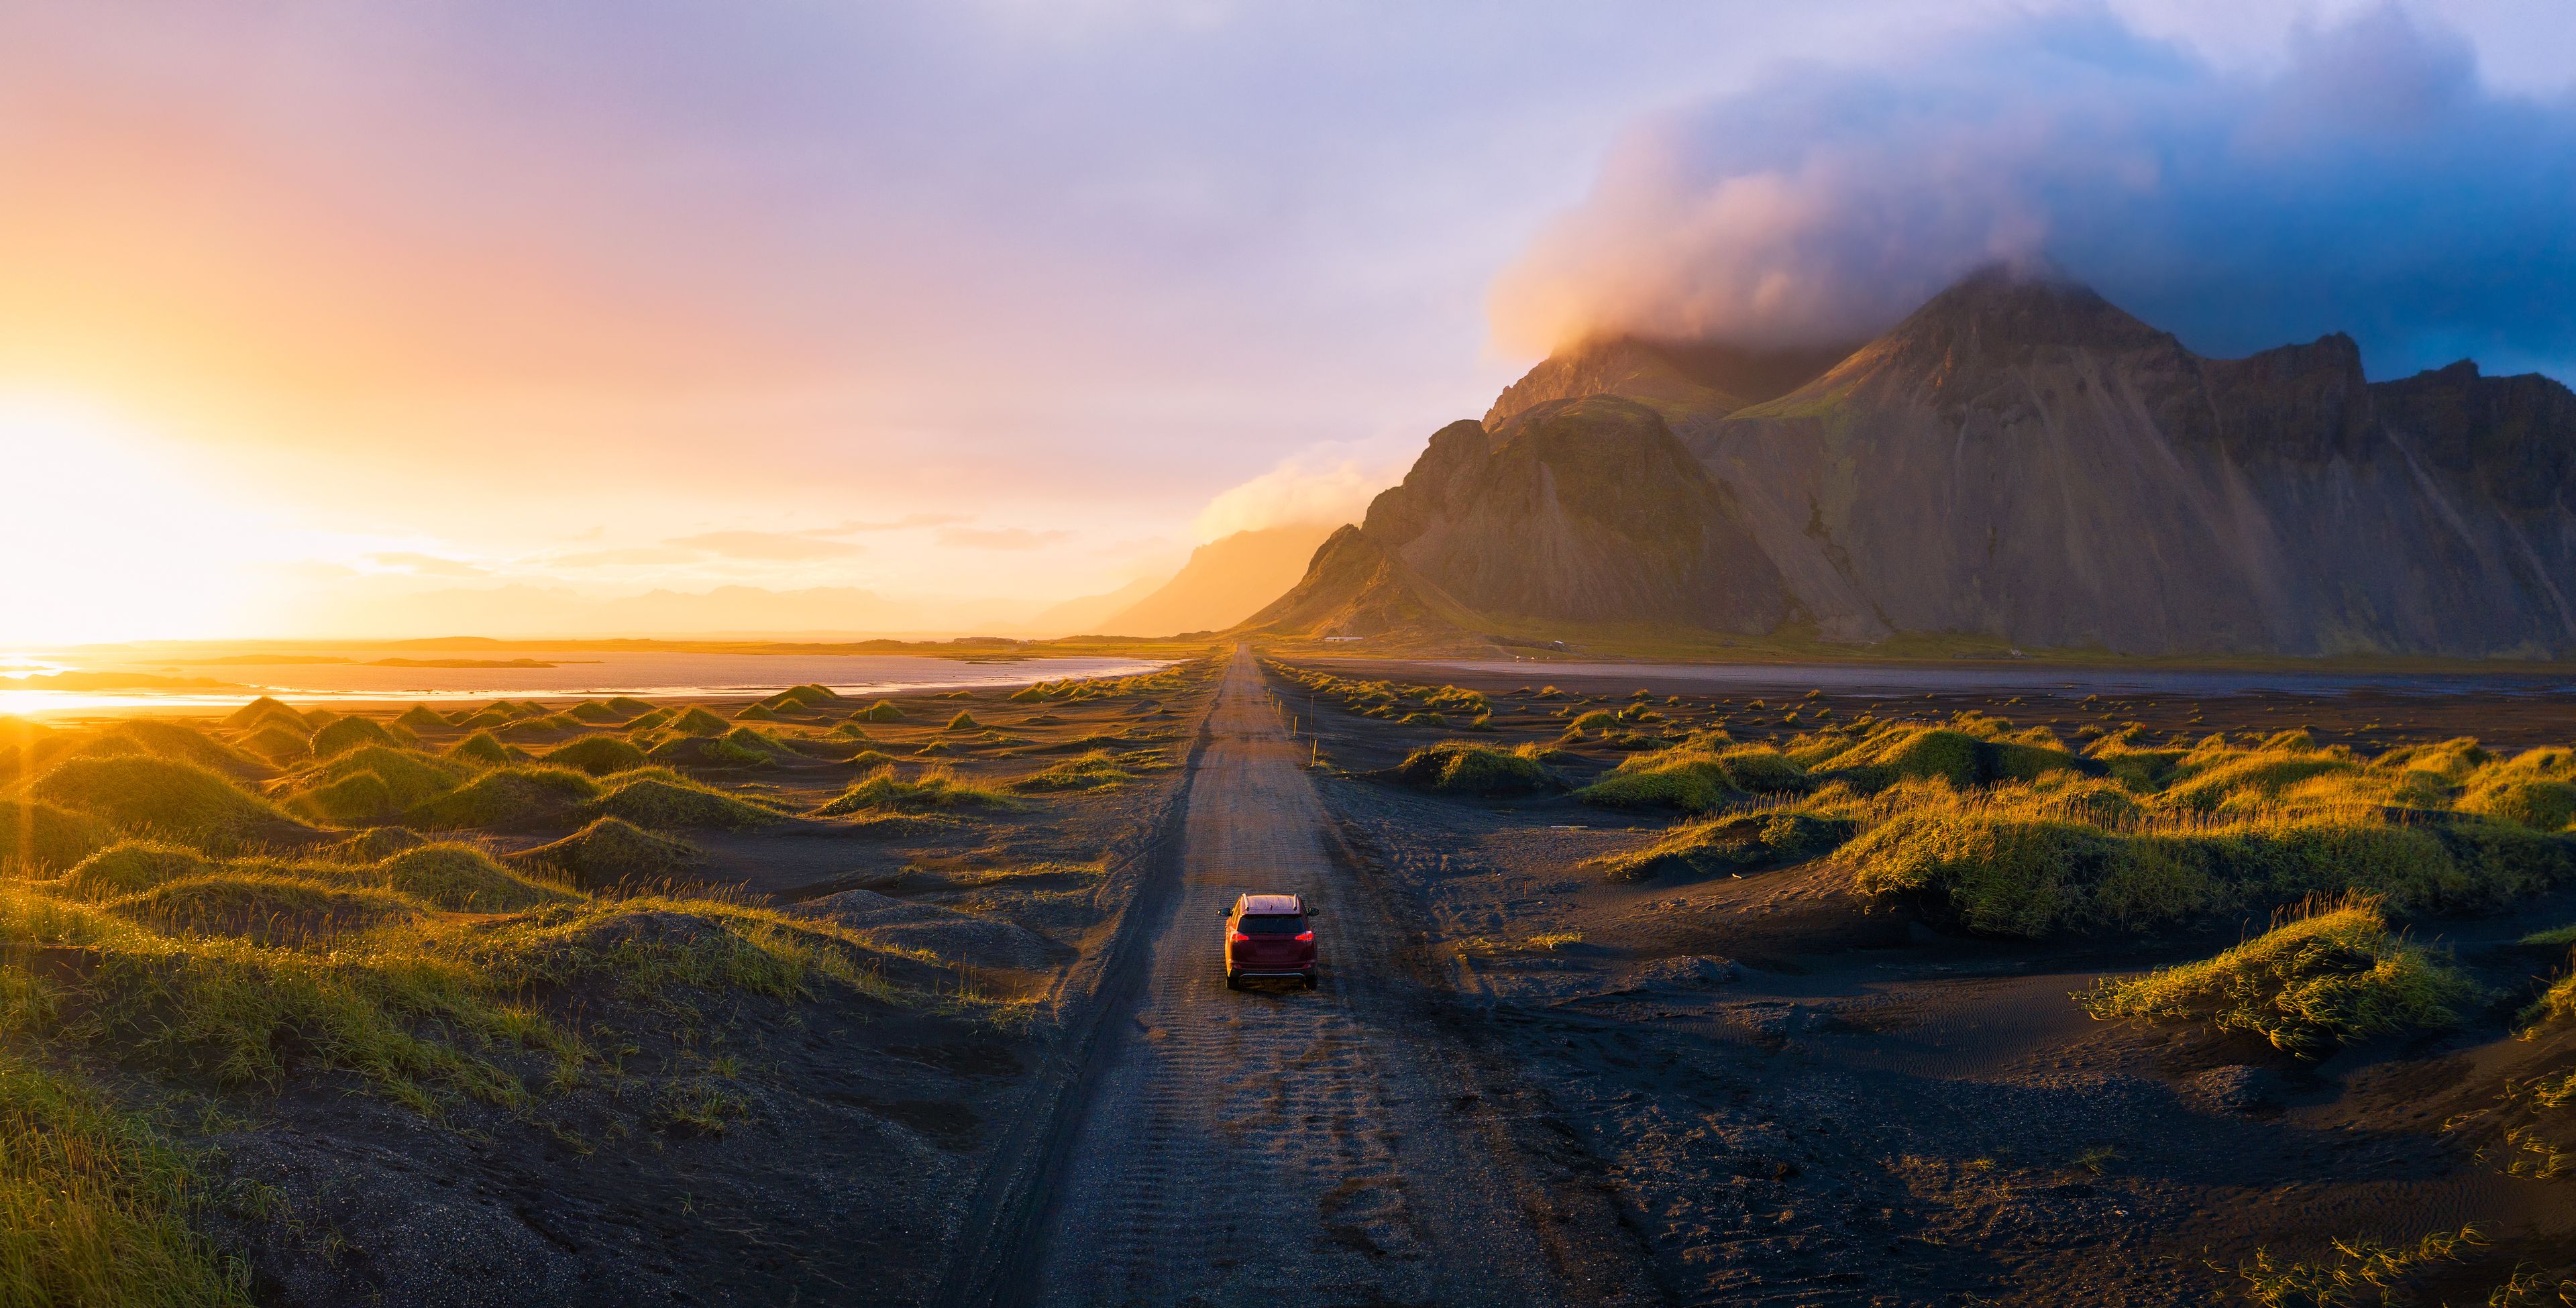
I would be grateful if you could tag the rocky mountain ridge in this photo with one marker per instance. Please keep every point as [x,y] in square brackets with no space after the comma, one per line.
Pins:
[2020,461]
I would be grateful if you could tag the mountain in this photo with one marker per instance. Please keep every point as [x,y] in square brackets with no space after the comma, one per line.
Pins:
[2020,461]
[1222,584]
[1085,616]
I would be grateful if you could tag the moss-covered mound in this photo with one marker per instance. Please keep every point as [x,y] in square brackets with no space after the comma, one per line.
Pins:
[1457,768]
[613,853]
[665,802]
[1696,777]
[262,710]
[177,740]
[131,867]
[352,732]
[1737,843]
[519,795]
[280,746]
[463,879]
[698,722]
[1089,771]
[420,717]
[934,788]
[2308,985]
[269,907]
[482,749]
[882,711]
[2030,871]
[158,796]
[408,778]
[41,839]
[597,755]
[354,800]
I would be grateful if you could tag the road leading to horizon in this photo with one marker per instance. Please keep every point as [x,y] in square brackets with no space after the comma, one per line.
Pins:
[1277,1146]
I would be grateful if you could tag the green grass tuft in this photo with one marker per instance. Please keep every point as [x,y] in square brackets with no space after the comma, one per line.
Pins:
[662,800]
[1090,771]
[1457,767]
[2331,977]
[884,790]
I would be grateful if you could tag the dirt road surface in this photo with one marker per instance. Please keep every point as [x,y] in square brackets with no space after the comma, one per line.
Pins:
[1280,1145]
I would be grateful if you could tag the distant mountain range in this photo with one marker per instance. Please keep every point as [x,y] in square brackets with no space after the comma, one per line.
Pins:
[2019,461]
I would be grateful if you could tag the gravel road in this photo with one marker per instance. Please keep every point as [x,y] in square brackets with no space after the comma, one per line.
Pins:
[1277,1145]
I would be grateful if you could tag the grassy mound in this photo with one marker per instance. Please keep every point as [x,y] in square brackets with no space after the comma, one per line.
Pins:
[1085,772]
[810,696]
[375,844]
[1890,754]
[131,867]
[1737,843]
[482,749]
[597,755]
[884,790]
[518,795]
[662,801]
[463,879]
[595,713]
[2013,865]
[698,722]
[420,717]
[175,740]
[278,745]
[2310,984]
[408,778]
[262,710]
[354,800]
[1457,768]
[881,711]
[350,733]
[36,839]
[2538,803]
[157,796]
[610,852]
[964,721]
[757,713]
[263,906]
[1696,777]
[628,706]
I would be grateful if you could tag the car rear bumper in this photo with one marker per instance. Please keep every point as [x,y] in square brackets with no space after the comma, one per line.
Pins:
[1252,973]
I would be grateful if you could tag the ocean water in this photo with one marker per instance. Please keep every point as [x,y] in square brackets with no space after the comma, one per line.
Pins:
[575,675]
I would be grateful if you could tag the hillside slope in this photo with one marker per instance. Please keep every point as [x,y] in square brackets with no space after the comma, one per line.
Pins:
[2021,461]
[1222,584]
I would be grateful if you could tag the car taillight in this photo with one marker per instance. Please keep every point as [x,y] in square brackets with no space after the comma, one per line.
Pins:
[1305,937]
[1238,938]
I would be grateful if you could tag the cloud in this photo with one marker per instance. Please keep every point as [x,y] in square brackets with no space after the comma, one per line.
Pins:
[775,546]
[2369,182]
[426,565]
[630,557]
[1001,538]
[1312,485]
[908,522]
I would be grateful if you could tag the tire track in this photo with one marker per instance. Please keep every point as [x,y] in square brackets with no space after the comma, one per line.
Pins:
[1274,1145]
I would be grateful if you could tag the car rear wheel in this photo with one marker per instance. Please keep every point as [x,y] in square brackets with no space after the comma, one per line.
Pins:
[1233,982]
[1310,980]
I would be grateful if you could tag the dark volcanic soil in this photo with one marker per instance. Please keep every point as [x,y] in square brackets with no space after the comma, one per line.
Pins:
[1798,1096]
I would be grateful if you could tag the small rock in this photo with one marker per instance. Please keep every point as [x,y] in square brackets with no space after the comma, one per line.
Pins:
[1686,971]
[2237,1089]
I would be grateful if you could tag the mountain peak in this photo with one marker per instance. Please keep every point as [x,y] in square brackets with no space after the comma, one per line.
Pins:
[2009,307]
[1668,376]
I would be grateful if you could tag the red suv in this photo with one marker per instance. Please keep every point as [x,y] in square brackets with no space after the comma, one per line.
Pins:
[1267,936]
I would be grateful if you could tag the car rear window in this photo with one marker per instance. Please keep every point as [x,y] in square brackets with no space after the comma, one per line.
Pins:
[1273,924]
